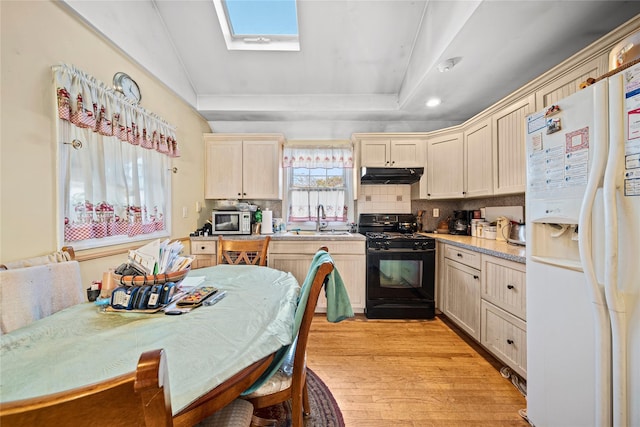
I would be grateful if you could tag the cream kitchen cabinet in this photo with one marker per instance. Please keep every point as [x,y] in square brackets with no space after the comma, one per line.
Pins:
[397,153]
[569,83]
[503,311]
[462,286]
[204,252]
[478,159]
[508,129]
[349,258]
[243,166]
[444,166]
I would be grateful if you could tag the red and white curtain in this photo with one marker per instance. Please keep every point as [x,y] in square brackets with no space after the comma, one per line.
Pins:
[88,103]
[117,185]
[318,157]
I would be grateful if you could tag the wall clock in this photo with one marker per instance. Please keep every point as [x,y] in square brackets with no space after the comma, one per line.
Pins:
[124,84]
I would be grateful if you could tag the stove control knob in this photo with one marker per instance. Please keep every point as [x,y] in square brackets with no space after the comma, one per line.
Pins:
[387,244]
[416,246]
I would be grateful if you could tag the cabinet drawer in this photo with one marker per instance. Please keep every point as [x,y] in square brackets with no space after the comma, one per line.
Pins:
[504,284]
[505,336]
[463,256]
[207,247]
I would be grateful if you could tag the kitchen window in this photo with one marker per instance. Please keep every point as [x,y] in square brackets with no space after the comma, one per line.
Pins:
[114,162]
[317,176]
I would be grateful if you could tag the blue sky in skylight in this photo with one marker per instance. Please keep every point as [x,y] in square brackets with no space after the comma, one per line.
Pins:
[263,17]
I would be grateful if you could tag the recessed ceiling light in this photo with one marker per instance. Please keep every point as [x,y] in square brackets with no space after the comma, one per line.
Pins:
[433,102]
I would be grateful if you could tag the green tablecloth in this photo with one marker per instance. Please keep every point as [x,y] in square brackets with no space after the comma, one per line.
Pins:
[205,347]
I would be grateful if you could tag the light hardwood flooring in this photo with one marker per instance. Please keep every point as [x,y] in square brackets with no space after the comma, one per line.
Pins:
[410,373]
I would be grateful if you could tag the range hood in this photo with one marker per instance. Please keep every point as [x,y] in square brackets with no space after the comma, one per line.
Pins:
[390,175]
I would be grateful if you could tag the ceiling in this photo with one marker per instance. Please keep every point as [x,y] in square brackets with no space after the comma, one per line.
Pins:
[363,65]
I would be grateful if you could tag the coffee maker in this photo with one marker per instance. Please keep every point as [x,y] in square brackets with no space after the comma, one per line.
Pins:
[459,223]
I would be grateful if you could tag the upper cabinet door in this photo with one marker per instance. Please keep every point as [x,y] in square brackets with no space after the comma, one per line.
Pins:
[570,82]
[394,153]
[375,153]
[243,166]
[262,170]
[478,160]
[444,167]
[407,153]
[223,169]
[509,174]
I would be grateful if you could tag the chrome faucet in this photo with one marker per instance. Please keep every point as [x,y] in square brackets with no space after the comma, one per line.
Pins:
[319,225]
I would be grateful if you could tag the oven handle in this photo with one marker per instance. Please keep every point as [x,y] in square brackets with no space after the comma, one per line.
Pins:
[406,250]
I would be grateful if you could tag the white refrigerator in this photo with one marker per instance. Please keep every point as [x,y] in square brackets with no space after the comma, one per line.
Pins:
[583,257]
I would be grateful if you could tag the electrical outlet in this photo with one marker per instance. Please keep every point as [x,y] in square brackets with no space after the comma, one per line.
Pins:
[198,207]
[436,212]
[185,212]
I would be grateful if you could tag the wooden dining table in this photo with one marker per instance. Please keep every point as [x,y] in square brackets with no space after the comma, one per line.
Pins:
[213,352]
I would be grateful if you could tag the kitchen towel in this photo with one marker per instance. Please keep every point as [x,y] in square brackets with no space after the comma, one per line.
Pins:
[267,222]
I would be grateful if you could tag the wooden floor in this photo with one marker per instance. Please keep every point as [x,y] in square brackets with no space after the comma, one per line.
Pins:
[403,373]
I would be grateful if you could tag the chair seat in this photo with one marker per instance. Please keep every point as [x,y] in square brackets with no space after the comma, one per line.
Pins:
[236,414]
[278,382]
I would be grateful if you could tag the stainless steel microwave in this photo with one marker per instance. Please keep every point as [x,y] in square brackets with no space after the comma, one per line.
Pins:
[231,222]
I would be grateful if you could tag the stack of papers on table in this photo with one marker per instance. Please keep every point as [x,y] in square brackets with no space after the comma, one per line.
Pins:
[160,257]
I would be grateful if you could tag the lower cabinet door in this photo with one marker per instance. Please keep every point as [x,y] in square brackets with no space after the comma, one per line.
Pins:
[505,336]
[462,296]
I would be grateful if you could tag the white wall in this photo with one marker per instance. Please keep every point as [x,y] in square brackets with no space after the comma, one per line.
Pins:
[35,36]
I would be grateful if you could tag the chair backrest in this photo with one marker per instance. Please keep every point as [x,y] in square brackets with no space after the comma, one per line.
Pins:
[139,398]
[38,287]
[299,359]
[248,251]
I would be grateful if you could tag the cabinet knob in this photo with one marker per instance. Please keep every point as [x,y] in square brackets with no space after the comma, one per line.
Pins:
[464,192]
[393,163]
[244,194]
[387,162]
[459,255]
[509,342]
[202,248]
[476,277]
[239,194]
[510,286]
[429,194]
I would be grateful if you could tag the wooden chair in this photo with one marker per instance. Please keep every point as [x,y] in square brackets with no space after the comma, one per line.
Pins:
[139,398]
[250,251]
[282,387]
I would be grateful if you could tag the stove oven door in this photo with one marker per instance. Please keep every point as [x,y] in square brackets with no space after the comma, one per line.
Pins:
[400,276]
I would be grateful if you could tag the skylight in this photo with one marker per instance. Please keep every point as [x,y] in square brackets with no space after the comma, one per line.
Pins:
[259,24]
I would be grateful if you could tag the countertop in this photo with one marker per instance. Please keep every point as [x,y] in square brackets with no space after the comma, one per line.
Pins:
[289,236]
[495,248]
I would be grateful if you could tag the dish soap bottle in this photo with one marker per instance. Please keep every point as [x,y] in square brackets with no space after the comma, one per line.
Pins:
[258,215]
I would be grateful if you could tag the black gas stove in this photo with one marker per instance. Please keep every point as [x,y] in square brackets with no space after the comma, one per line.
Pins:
[393,232]
[400,267]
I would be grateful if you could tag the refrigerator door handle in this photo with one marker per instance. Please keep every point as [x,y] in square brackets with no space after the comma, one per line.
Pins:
[614,297]
[601,317]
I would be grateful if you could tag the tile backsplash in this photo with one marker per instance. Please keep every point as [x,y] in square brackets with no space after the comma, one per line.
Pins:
[446,207]
[386,198]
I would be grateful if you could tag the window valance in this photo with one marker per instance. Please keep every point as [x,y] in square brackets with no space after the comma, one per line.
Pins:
[317,157]
[87,103]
